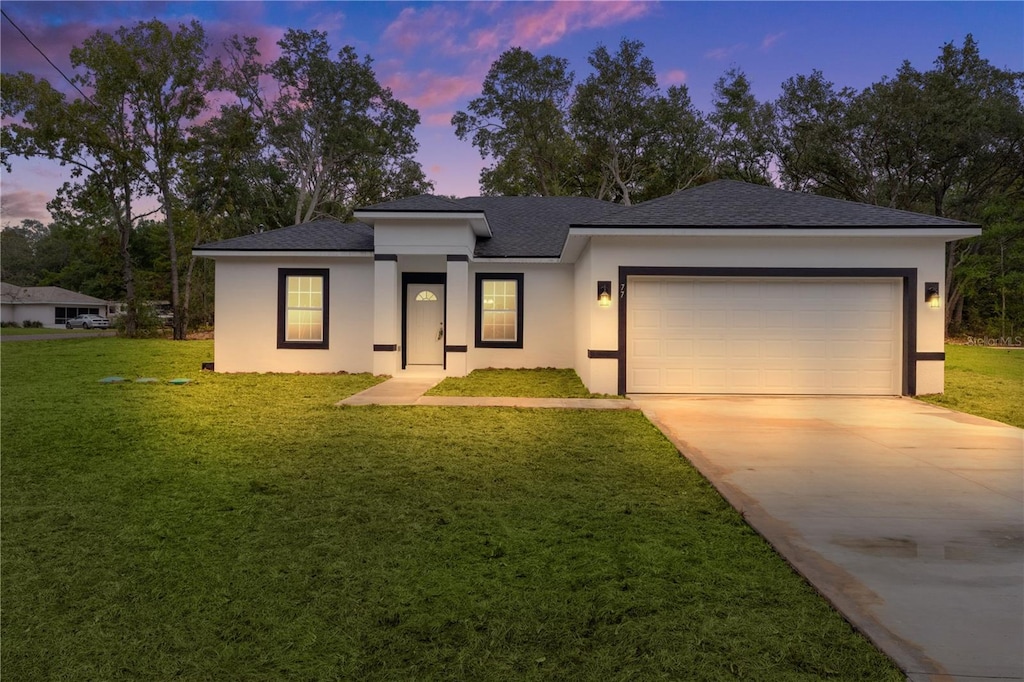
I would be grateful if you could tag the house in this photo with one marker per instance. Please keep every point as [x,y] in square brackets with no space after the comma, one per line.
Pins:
[53,306]
[724,288]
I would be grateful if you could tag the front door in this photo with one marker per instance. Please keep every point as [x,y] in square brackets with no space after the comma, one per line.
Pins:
[424,315]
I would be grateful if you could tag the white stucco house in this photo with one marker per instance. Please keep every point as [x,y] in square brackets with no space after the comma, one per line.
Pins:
[723,288]
[53,306]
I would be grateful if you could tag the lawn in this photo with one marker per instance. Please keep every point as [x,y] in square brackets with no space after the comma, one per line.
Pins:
[241,527]
[517,383]
[988,382]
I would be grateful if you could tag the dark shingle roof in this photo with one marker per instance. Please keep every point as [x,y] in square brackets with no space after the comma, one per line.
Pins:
[319,235]
[421,202]
[729,203]
[531,227]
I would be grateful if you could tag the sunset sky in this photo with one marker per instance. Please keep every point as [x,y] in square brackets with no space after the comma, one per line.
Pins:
[434,55]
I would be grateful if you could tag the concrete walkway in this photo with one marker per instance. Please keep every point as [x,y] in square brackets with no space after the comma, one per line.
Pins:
[908,517]
[409,390]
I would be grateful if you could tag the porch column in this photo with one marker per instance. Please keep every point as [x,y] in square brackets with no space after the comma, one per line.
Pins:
[458,309]
[386,299]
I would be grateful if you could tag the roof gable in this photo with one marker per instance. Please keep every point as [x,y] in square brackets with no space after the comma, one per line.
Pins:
[319,235]
[730,203]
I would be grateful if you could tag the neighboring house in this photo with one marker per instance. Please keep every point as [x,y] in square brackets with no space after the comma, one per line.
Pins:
[53,306]
[724,288]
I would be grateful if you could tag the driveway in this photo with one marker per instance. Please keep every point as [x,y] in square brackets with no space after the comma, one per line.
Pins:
[909,518]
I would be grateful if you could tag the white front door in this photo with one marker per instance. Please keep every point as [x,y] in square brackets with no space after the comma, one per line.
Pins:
[424,334]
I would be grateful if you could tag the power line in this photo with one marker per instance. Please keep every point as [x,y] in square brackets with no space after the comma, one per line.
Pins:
[49,61]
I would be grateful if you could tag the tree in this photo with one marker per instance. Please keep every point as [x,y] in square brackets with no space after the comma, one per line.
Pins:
[614,121]
[520,121]
[744,130]
[947,141]
[91,136]
[166,80]
[681,149]
[333,125]
[17,252]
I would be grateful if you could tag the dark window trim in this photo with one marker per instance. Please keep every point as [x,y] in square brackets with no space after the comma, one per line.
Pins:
[909,357]
[480,278]
[282,307]
[421,278]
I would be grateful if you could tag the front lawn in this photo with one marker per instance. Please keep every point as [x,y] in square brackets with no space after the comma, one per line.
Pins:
[988,382]
[545,382]
[241,527]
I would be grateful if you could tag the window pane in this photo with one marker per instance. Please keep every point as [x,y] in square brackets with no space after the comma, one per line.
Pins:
[498,310]
[304,314]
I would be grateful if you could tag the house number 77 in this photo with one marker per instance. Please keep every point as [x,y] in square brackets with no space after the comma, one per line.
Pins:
[622,290]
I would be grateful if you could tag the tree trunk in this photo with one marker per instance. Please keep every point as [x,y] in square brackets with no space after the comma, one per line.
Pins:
[179,323]
[123,219]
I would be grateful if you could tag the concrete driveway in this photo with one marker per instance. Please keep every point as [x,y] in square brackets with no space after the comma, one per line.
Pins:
[909,518]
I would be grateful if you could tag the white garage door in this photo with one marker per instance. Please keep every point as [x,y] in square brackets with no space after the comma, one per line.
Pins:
[770,336]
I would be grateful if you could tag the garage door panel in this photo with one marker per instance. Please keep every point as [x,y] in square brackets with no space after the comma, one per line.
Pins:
[717,335]
[683,318]
[679,348]
[648,348]
[648,319]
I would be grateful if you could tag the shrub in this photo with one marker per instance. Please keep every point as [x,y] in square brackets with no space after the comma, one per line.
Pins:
[32,324]
[9,324]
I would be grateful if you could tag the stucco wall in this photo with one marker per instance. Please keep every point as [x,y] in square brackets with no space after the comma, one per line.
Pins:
[548,318]
[924,254]
[246,316]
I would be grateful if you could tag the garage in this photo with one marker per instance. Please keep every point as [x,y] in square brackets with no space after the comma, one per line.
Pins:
[800,336]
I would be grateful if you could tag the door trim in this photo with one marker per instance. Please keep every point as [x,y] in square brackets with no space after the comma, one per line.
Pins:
[422,278]
[908,357]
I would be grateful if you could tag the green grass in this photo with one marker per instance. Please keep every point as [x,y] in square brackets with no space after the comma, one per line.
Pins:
[517,383]
[988,382]
[241,527]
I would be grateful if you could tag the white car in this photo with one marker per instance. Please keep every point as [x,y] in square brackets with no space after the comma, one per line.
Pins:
[88,322]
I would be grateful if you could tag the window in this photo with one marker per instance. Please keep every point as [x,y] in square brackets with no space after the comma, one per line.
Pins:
[302,308]
[499,310]
[63,314]
[426,296]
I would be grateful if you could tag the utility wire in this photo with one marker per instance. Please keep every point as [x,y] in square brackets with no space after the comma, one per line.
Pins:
[25,36]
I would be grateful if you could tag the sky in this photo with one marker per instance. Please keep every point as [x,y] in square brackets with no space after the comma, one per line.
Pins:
[434,55]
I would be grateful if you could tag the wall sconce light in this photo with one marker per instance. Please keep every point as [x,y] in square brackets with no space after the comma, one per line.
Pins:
[931,294]
[604,293]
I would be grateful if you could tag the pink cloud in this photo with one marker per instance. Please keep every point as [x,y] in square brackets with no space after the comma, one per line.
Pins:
[771,39]
[429,89]
[549,25]
[722,53]
[674,77]
[17,205]
[531,24]
[443,118]
[436,169]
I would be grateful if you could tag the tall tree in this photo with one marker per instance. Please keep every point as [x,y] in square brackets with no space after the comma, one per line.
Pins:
[614,120]
[91,136]
[681,150]
[520,121]
[333,122]
[744,130]
[166,80]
